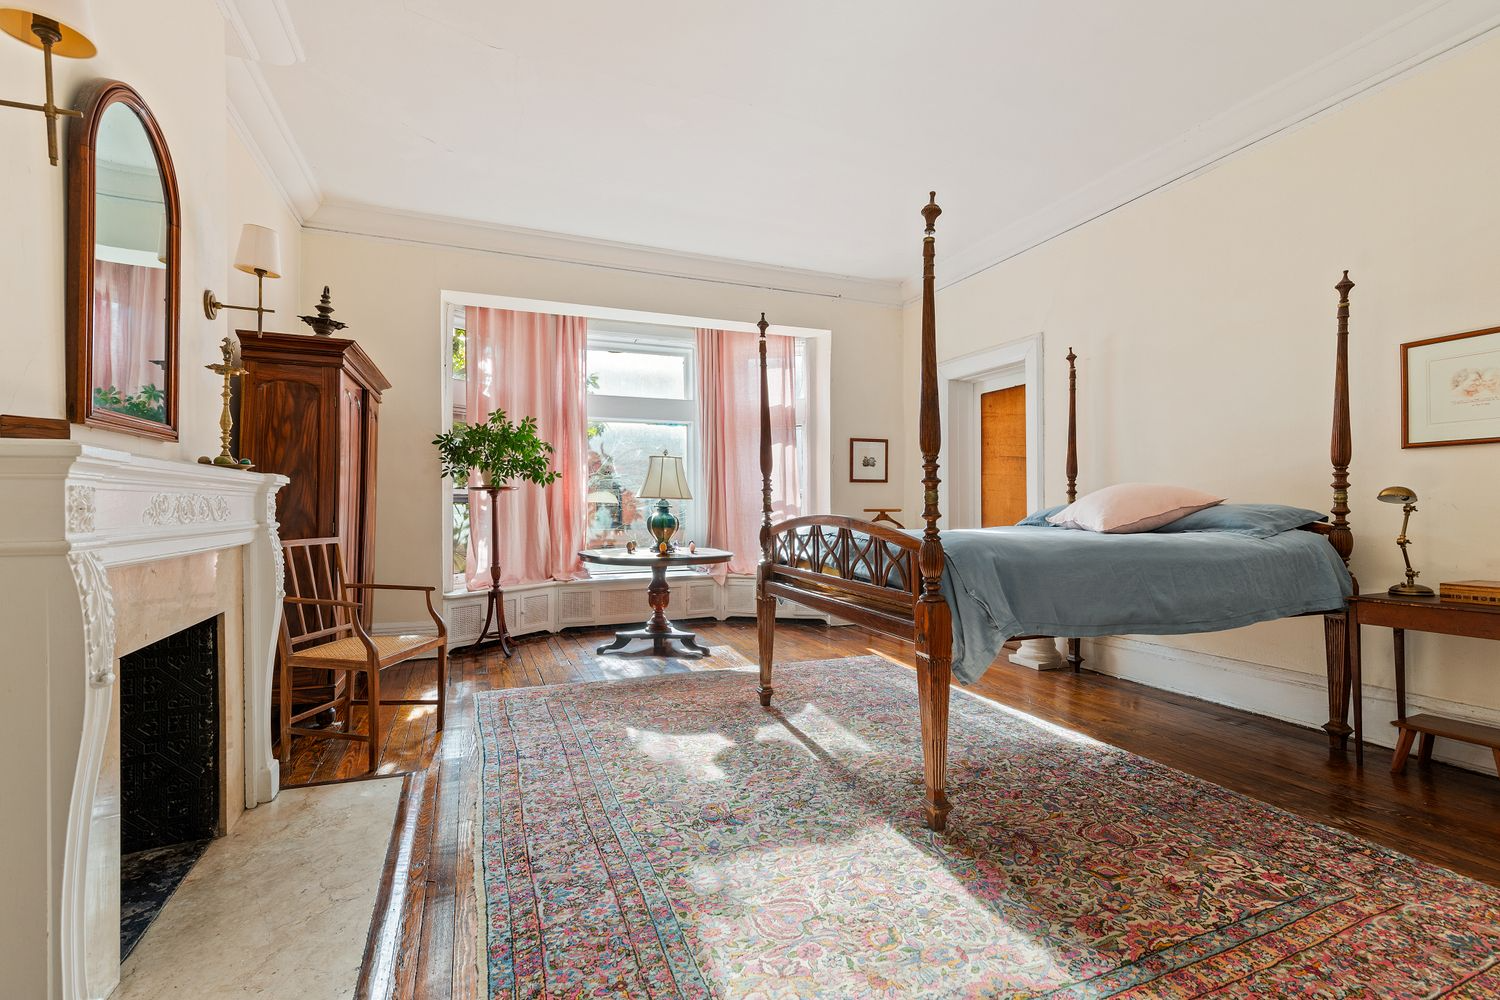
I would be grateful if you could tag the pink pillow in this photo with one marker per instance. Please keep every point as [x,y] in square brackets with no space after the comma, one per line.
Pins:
[1132,507]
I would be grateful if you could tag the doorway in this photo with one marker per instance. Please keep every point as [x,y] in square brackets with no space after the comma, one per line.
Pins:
[1002,455]
[991,403]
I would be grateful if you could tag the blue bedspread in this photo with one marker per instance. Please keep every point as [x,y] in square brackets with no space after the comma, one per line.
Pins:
[1006,582]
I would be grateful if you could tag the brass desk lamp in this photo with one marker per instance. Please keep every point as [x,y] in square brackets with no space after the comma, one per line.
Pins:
[1408,499]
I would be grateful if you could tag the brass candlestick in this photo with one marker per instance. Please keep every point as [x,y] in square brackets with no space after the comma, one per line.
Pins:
[229,369]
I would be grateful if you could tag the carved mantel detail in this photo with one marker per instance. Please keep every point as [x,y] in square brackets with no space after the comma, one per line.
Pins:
[81,510]
[185,508]
[98,602]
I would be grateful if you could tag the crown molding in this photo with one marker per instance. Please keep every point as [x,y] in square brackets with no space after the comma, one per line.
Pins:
[1433,30]
[265,31]
[256,118]
[419,229]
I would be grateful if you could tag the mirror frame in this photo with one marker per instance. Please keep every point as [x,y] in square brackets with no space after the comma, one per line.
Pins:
[83,135]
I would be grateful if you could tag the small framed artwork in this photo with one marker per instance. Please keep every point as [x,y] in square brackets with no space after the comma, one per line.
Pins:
[1450,390]
[867,460]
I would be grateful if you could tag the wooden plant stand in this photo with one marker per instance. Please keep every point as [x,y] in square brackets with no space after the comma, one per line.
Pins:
[494,609]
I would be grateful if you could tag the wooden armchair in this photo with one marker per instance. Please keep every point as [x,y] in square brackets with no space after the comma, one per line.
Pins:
[321,629]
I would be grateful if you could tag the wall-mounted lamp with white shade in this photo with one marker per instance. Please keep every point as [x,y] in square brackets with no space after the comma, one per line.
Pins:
[57,27]
[259,254]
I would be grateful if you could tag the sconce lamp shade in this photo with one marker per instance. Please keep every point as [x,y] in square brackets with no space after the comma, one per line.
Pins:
[666,479]
[259,250]
[74,24]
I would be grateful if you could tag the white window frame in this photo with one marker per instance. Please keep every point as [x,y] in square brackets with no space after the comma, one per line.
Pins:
[817,487]
[655,339]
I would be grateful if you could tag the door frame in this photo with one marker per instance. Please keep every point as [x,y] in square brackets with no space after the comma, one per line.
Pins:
[961,381]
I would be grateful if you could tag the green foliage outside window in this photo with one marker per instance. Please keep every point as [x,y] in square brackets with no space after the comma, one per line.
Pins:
[460,345]
[149,402]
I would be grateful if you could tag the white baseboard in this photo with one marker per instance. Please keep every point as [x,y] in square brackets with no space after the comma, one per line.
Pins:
[1279,693]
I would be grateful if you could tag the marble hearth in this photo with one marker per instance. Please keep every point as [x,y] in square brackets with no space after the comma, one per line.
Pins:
[103,553]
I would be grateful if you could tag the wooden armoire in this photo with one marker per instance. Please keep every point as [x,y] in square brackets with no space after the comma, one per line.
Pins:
[309,408]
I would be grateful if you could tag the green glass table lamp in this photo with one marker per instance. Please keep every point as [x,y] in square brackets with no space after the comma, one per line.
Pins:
[666,480]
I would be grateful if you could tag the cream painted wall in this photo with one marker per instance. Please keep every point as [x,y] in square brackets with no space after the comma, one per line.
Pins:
[390,294]
[253,199]
[1203,317]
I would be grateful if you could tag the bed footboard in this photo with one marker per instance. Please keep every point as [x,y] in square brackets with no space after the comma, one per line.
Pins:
[861,571]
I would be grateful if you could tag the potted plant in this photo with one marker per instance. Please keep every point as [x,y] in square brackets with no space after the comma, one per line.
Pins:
[493,452]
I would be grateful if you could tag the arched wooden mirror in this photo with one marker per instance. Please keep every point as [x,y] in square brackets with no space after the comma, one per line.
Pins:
[124,266]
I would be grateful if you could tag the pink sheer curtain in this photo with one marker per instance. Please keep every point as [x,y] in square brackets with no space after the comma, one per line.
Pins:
[530,365]
[729,418]
[130,325]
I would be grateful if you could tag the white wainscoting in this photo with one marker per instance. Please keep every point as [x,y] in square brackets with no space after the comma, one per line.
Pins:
[1279,693]
[554,606]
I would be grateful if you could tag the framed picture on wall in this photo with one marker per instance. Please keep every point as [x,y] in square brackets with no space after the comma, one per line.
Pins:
[867,460]
[1450,390]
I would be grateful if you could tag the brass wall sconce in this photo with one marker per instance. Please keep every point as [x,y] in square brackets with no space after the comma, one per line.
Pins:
[57,27]
[1407,497]
[259,253]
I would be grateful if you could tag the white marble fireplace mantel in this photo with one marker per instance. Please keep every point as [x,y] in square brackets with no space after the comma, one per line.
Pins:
[69,514]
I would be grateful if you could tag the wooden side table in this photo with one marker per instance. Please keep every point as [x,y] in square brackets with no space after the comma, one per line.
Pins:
[1422,614]
[659,631]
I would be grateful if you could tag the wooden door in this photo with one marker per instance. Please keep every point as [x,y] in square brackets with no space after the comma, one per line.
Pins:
[1002,456]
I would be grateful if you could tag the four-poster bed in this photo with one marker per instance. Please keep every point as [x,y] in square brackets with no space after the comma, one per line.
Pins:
[893,582]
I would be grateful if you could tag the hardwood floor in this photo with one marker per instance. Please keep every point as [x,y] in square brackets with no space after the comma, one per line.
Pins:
[423,941]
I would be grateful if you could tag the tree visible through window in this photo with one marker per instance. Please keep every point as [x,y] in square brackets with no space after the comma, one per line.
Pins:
[641,402]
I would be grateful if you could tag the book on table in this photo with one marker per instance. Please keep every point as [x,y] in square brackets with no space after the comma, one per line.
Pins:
[1471,591]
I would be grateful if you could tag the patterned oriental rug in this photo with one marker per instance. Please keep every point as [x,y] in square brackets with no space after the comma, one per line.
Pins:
[668,837]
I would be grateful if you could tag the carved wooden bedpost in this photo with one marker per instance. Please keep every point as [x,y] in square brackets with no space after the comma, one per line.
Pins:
[1340,452]
[1072,468]
[934,631]
[1074,646]
[765,604]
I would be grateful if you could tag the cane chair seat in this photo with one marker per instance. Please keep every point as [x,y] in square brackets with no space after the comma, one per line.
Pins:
[351,654]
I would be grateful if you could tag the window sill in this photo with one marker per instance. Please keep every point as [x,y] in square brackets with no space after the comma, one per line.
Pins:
[626,576]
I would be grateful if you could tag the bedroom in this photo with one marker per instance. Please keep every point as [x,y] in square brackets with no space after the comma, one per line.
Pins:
[1181,237]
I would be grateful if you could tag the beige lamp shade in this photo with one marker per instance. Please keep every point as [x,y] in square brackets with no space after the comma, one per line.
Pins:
[259,250]
[666,479]
[74,23]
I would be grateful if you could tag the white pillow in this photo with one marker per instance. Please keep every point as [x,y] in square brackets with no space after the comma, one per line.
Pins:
[1132,507]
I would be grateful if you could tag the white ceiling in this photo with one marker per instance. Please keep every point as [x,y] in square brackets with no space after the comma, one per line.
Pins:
[805,133]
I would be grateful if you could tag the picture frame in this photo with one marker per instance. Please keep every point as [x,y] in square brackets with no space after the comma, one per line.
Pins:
[1450,390]
[869,460]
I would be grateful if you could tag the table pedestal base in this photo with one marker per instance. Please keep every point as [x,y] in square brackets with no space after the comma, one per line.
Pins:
[661,641]
[661,632]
